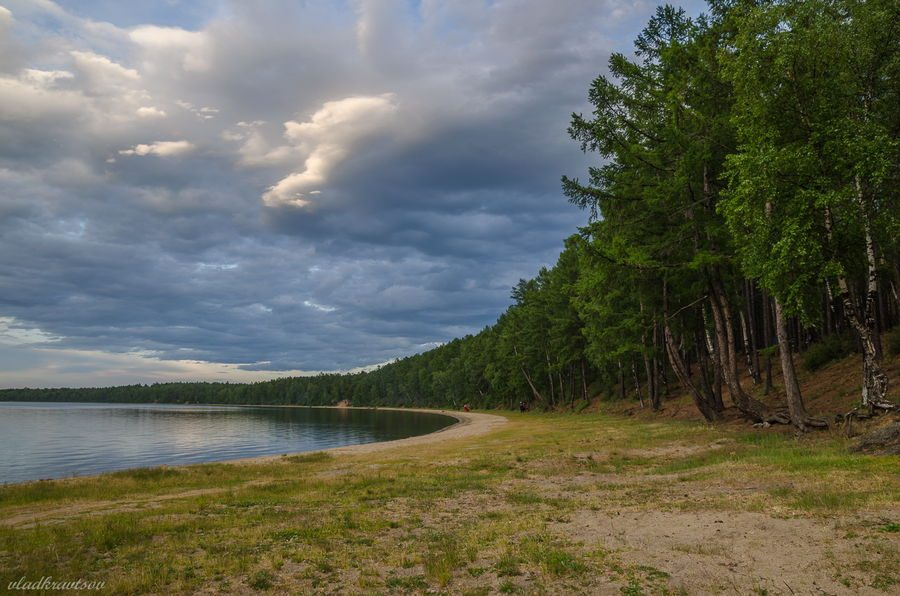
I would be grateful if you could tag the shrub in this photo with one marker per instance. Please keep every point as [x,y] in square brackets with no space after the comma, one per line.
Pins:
[262,580]
[893,343]
[829,349]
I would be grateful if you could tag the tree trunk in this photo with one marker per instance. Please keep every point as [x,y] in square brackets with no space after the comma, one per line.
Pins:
[716,361]
[767,332]
[751,408]
[707,409]
[705,382]
[534,391]
[657,395]
[799,417]
[550,379]
[754,326]
[648,371]
[748,352]
[583,382]
[637,383]
[562,393]
[875,382]
[661,373]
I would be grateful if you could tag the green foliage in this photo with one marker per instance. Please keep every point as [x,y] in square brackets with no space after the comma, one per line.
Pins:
[817,148]
[757,142]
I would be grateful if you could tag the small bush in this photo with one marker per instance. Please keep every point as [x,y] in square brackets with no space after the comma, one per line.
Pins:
[262,580]
[833,347]
[893,343]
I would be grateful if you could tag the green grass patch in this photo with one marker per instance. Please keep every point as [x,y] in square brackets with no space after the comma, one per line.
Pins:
[508,565]
[413,583]
[553,560]
[442,557]
[307,458]
[825,500]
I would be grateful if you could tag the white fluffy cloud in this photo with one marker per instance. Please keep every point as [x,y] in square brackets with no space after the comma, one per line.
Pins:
[24,99]
[100,73]
[160,45]
[150,112]
[45,78]
[161,148]
[326,139]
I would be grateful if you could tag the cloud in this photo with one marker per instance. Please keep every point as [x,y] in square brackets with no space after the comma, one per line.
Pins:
[14,333]
[29,99]
[101,72]
[9,50]
[66,367]
[334,184]
[161,148]
[150,112]
[45,78]
[327,138]
[158,44]
[318,307]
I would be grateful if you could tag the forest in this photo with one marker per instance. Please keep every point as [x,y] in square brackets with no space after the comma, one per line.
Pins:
[743,208]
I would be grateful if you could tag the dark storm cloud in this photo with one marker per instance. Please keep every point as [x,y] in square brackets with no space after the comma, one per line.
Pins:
[279,186]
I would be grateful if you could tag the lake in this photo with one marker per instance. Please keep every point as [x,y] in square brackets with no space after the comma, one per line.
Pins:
[58,440]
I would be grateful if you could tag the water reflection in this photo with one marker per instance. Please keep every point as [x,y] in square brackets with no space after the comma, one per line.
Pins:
[42,440]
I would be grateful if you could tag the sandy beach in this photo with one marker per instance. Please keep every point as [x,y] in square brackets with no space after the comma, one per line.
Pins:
[470,424]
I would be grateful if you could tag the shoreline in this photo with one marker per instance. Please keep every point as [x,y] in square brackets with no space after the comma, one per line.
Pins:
[468,424]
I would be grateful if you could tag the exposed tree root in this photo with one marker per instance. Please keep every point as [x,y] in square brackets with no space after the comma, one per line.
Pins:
[863,412]
[884,440]
[765,418]
[811,422]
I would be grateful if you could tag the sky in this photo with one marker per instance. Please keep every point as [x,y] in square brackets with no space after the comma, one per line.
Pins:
[234,191]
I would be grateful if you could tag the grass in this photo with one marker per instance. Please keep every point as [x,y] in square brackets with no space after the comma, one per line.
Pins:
[442,558]
[477,515]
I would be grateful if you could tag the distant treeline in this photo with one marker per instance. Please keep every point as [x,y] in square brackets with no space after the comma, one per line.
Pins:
[745,205]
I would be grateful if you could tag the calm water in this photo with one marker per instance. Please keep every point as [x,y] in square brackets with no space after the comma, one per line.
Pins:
[56,440]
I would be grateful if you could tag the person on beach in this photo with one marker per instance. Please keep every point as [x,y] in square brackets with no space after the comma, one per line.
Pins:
[466,407]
